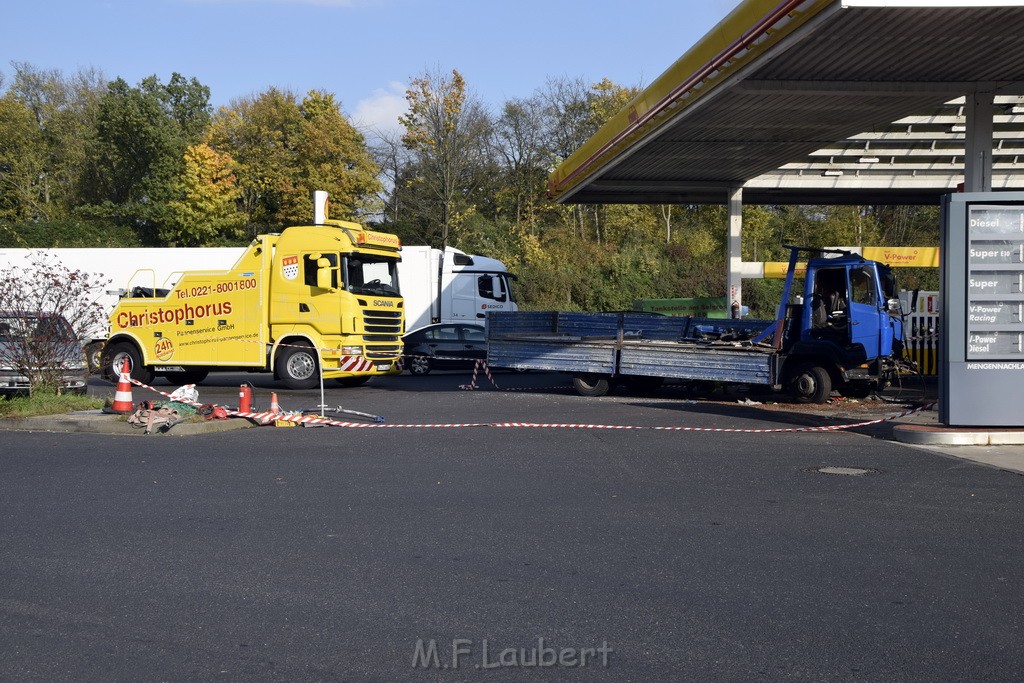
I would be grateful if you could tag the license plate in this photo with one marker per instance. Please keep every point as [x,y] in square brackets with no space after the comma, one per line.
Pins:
[383,366]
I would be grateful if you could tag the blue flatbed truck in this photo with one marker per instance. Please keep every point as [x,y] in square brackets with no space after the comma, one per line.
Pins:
[845,334]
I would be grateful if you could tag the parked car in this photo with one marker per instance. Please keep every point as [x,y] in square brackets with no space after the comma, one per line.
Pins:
[444,346]
[44,338]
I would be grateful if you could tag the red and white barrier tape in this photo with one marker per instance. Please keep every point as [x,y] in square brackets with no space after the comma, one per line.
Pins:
[266,417]
[487,371]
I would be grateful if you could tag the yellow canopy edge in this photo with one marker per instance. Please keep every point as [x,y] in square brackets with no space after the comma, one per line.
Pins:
[749,30]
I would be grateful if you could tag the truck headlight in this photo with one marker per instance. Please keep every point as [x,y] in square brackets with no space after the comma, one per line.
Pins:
[352,350]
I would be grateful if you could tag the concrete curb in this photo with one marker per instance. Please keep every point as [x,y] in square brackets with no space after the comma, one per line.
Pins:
[98,422]
[929,435]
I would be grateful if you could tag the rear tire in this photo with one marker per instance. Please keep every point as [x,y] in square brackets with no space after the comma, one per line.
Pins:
[114,357]
[591,385]
[298,367]
[810,384]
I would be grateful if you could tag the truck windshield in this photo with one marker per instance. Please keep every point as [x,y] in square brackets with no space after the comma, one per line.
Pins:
[365,274]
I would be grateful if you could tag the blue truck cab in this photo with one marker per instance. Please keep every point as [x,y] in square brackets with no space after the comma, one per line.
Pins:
[848,323]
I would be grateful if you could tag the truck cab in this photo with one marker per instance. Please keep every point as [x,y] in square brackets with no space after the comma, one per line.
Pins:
[848,322]
[851,302]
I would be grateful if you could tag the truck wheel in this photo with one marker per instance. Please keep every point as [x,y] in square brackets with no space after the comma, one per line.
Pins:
[811,384]
[591,385]
[186,377]
[115,356]
[420,365]
[297,367]
[94,356]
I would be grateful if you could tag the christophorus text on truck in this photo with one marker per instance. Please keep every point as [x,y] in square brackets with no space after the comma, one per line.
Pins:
[314,300]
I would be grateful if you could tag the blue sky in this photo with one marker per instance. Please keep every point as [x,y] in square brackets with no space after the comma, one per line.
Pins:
[363,51]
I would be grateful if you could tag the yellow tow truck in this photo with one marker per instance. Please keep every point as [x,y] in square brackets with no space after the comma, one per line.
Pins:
[319,298]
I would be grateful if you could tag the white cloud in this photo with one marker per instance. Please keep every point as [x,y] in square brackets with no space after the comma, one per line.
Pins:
[381,110]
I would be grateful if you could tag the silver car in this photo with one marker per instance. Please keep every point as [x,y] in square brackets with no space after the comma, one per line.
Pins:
[39,340]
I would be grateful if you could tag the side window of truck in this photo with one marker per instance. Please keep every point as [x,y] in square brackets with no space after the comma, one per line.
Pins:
[309,267]
[485,286]
[862,286]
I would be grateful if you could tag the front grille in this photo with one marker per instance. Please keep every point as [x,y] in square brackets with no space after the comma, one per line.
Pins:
[382,351]
[382,322]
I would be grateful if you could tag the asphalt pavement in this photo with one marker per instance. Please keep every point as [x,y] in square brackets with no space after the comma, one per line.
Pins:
[471,553]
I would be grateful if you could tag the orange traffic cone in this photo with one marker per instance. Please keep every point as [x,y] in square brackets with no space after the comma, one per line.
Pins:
[123,396]
[275,407]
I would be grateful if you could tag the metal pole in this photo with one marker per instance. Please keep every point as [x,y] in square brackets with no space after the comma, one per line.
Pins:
[978,142]
[735,253]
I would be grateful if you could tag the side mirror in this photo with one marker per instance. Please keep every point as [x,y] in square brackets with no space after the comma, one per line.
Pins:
[893,306]
[323,274]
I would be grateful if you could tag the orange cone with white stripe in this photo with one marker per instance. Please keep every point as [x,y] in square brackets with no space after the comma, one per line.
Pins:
[123,396]
[275,407]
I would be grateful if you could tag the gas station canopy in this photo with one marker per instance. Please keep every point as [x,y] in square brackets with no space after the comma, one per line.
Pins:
[817,102]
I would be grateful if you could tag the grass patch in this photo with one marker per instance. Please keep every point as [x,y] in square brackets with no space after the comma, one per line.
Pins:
[47,404]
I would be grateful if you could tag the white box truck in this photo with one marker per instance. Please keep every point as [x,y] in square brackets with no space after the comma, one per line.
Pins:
[452,286]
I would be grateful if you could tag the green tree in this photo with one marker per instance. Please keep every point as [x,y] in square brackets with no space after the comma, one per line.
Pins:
[141,137]
[518,141]
[447,131]
[22,160]
[206,208]
[261,134]
[285,150]
[52,159]
[332,156]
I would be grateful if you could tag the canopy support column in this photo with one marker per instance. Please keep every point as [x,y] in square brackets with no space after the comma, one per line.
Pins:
[978,159]
[735,253]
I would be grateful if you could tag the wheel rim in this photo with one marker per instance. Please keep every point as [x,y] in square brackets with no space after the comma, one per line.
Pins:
[806,385]
[117,364]
[419,365]
[301,366]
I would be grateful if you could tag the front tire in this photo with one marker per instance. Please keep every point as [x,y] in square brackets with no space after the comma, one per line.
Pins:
[811,384]
[591,385]
[114,358]
[298,367]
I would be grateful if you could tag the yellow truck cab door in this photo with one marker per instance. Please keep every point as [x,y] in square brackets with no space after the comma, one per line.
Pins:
[303,300]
